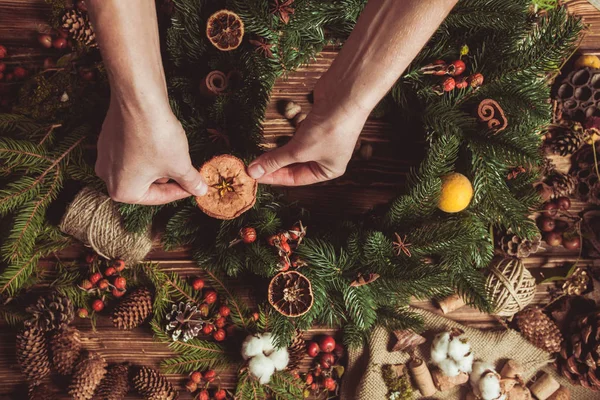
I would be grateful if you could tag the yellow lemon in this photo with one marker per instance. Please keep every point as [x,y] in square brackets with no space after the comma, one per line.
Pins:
[457,193]
[587,61]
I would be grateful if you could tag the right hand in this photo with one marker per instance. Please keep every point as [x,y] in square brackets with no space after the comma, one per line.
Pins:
[139,150]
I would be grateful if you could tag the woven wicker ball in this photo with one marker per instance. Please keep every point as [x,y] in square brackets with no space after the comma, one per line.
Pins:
[510,286]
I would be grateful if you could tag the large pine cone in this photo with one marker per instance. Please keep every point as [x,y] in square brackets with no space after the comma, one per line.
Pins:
[79,27]
[580,354]
[42,392]
[539,329]
[153,386]
[32,354]
[514,246]
[87,376]
[297,351]
[51,312]
[115,384]
[133,310]
[65,346]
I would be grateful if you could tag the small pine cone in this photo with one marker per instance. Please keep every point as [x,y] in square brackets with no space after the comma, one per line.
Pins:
[133,310]
[79,27]
[65,346]
[566,137]
[539,329]
[296,350]
[115,384]
[87,376]
[153,386]
[514,246]
[51,312]
[42,392]
[32,354]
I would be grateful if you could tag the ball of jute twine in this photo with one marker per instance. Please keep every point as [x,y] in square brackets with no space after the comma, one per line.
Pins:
[94,219]
[510,286]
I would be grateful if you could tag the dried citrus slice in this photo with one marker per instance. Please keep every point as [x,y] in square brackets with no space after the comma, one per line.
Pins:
[290,293]
[231,191]
[225,30]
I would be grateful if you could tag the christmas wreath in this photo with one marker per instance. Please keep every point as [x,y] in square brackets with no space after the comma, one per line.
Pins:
[477,93]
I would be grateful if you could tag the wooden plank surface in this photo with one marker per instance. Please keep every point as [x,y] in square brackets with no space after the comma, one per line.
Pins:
[365,185]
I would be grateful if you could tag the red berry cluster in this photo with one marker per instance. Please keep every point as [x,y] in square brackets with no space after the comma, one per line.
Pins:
[324,375]
[8,76]
[559,226]
[217,321]
[247,235]
[454,79]
[284,242]
[202,381]
[98,283]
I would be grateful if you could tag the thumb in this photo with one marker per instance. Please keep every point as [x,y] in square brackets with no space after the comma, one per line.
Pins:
[192,182]
[274,160]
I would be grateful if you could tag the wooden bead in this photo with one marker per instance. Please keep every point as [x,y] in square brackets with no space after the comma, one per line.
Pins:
[544,387]
[451,303]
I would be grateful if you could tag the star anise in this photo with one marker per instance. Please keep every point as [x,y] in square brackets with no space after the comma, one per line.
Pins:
[224,186]
[400,245]
[262,47]
[284,9]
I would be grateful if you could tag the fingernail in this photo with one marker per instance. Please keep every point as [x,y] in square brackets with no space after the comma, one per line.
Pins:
[201,189]
[256,171]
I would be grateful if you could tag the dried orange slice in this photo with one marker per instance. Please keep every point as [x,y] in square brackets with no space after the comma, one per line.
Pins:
[290,293]
[231,191]
[225,30]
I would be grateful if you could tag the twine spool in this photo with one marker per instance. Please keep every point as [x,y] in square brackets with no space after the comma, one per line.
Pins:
[214,84]
[94,219]
[510,286]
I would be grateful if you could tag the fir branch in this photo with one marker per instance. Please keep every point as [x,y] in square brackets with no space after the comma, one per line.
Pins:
[239,311]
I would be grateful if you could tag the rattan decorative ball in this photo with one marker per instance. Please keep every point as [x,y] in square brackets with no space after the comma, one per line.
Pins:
[510,286]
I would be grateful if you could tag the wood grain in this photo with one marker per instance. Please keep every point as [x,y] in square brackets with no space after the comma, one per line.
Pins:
[365,185]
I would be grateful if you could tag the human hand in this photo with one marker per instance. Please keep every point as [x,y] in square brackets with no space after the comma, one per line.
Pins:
[139,151]
[319,150]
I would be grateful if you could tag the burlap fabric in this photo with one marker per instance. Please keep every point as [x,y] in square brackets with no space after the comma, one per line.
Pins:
[94,219]
[363,380]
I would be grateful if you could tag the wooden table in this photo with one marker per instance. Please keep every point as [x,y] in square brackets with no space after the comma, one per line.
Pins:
[366,184]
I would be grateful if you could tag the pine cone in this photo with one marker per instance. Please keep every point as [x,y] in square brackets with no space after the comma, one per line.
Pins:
[79,27]
[297,351]
[115,384]
[184,321]
[580,353]
[65,346]
[32,354]
[87,376]
[539,329]
[51,312]
[153,386]
[514,246]
[566,137]
[556,185]
[44,391]
[133,310]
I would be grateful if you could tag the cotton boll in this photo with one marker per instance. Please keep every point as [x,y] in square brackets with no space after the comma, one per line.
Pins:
[466,363]
[478,370]
[439,347]
[449,367]
[268,345]
[252,346]
[489,386]
[262,368]
[280,359]
[458,347]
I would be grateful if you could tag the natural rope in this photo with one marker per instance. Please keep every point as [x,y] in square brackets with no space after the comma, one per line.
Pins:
[94,219]
[510,286]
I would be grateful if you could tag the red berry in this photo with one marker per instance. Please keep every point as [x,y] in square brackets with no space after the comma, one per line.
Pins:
[98,305]
[273,240]
[59,43]
[442,70]
[87,74]
[198,284]
[329,384]
[327,360]
[339,351]
[45,40]
[119,265]
[550,209]
[564,203]
[571,242]
[110,271]
[20,72]
[255,316]
[317,371]
[210,296]
[81,6]
[327,344]
[224,311]
[248,234]
[220,394]
[90,257]
[95,278]
[219,335]
[9,77]
[86,284]
[475,80]
[191,386]
[117,292]
[313,349]
[554,239]
[203,395]
[448,84]
[204,309]
[220,322]
[462,83]
[456,67]
[196,376]
[285,247]
[207,329]
[120,282]
[314,386]
[3,52]
[309,379]
[294,232]
[210,375]
[546,224]
[82,313]
[103,284]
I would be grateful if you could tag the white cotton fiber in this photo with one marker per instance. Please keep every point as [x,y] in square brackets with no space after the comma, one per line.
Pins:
[459,346]
[439,347]
[252,346]
[267,341]
[262,368]
[280,359]
[466,363]
[489,386]
[449,367]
